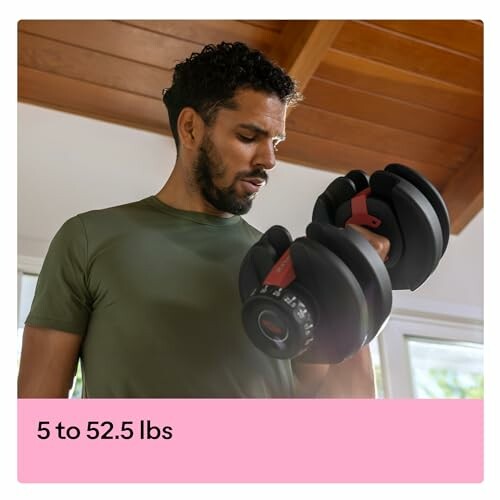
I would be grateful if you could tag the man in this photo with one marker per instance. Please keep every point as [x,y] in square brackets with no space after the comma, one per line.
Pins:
[146,294]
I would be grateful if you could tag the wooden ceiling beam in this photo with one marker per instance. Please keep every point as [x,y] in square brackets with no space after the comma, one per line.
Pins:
[463,193]
[302,47]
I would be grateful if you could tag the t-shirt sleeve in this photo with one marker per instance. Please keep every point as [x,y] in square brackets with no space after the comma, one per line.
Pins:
[62,300]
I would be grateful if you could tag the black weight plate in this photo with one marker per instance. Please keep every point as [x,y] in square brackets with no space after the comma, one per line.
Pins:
[389,227]
[430,192]
[279,237]
[342,318]
[366,265]
[360,178]
[420,228]
[338,191]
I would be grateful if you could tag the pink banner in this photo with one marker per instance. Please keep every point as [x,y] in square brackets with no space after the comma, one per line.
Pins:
[263,441]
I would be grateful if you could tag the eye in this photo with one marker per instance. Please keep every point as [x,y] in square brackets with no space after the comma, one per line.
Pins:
[244,138]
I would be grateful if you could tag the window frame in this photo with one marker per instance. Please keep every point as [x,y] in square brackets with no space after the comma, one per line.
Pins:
[424,320]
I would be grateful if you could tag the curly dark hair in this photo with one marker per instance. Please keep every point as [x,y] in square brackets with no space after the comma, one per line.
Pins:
[208,80]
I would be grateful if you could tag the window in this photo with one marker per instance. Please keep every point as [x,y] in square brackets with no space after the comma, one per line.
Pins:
[26,291]
[442,369]
[377,367]
[429,356]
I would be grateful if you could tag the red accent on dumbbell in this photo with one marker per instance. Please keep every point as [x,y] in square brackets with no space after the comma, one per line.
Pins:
[282,273]
[359,211]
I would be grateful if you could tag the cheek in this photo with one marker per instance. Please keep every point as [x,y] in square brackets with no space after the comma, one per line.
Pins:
[236,158]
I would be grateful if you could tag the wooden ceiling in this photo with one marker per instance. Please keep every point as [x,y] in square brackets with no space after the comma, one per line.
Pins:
[376,92]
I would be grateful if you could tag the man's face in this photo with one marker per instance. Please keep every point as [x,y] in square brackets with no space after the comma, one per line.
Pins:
[238,149]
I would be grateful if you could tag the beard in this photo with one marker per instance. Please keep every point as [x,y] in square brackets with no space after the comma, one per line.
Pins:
[208,168]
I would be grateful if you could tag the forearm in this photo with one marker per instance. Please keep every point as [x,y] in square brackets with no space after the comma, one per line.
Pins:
[353,378]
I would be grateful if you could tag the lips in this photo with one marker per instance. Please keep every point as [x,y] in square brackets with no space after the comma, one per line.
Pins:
[253,184]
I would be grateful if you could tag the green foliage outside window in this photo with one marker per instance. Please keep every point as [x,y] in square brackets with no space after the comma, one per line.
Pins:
[450,384]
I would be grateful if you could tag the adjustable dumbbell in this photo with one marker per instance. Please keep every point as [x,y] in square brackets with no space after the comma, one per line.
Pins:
[323,296]
[400,204]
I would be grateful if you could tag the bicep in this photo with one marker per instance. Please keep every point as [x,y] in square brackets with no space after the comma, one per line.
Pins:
[48,362]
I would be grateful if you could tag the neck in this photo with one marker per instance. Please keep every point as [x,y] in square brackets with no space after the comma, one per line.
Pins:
[181,192]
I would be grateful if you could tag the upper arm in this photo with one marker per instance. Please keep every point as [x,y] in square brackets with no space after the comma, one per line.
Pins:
[62,299]
[58,317]
[48,363]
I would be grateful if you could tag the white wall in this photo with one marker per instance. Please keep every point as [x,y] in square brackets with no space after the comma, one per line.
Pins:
[68,164]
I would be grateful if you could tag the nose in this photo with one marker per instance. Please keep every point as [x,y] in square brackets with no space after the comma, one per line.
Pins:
[265,156]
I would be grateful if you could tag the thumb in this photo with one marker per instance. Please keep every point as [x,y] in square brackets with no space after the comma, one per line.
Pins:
[380,243]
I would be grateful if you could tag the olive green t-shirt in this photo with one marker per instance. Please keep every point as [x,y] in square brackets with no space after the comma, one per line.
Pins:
[154,292]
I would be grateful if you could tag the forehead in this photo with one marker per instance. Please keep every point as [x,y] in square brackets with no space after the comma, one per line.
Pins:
[262,110]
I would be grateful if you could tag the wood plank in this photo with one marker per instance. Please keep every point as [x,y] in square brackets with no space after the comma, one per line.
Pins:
[390,48]
[463,193]
[302,46]
[392,113]
[207,31]
[273,25]
[462,36]
[116,39]
[95,101]
[332,156]
[365,74]
[345,130]
[91,66]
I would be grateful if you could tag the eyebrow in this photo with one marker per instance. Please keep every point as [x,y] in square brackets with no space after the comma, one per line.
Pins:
[258,130]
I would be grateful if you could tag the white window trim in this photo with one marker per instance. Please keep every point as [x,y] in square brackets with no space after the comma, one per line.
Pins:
[29,265]
[26,265]
[430,320]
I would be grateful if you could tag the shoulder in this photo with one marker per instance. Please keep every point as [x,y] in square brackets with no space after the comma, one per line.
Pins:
[114,211]
[115,219]
[102,224]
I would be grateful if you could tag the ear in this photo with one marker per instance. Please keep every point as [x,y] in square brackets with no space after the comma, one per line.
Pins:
[190,128]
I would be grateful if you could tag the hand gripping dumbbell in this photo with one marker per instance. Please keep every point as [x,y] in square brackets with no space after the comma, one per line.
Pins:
[400,204]
[324,295]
